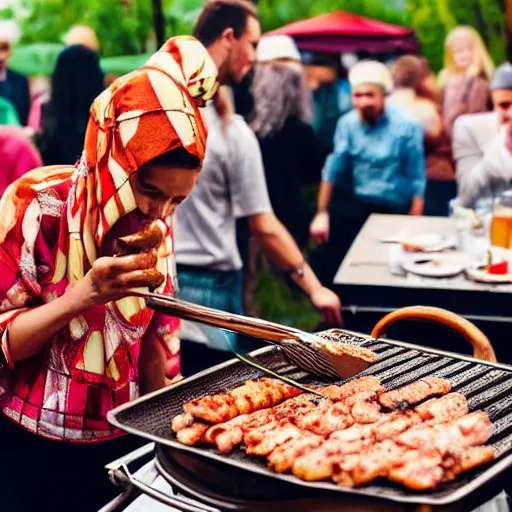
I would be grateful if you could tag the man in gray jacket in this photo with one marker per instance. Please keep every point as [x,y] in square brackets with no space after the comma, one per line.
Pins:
[482,143]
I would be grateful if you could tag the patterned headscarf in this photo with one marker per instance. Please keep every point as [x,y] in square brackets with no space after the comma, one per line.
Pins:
[139,117]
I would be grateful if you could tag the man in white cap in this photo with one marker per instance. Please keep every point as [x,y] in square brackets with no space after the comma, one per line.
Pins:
[377,166]
[13,86]
[482,145]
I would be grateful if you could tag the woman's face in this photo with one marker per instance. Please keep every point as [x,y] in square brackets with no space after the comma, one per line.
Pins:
[463,53]
[158,189]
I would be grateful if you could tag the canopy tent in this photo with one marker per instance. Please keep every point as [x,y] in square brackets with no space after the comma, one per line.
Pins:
[340,31]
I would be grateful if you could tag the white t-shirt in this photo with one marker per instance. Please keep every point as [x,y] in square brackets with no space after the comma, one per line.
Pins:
[231,185]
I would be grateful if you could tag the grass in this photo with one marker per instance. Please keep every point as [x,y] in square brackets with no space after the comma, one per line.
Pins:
[278,302]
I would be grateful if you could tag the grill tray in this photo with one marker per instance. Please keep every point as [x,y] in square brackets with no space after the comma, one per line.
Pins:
[487,387]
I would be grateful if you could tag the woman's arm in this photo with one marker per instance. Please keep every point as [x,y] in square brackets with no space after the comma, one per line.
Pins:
[282,250]
[109,279]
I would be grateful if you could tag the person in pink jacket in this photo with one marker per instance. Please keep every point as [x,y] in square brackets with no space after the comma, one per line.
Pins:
[17,155]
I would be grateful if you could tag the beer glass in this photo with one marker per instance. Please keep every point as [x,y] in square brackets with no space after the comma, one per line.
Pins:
[501,227]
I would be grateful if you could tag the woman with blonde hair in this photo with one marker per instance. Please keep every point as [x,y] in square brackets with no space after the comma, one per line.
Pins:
[464,80]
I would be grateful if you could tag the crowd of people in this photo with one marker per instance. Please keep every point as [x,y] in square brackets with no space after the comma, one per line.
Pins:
[373,138]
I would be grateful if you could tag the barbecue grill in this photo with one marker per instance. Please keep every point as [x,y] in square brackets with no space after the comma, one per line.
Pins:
[239,482]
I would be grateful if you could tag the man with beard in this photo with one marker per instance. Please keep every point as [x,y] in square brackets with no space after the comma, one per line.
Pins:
[377,166]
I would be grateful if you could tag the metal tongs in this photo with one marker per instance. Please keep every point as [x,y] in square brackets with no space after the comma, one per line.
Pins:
[327,359]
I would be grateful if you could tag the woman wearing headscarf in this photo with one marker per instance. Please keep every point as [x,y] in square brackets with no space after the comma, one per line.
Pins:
[77,343]
[76,81]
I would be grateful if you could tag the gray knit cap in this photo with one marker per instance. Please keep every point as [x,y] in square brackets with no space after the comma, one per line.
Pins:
[502,78]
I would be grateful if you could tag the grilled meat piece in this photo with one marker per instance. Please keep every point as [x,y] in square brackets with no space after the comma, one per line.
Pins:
[231,433]
[326,418]
[181,421]
[143,241]
[391,425]
[364,407]
[283,457]
[418,470]
[192,435]
[446,408]
[337,393]
[263,441]
[470,430]
[465,460]
[376,461]
[251,396]
[294,408]
[317,464]
[414,393]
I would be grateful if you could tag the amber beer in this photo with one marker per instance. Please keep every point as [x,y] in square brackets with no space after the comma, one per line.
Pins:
[501,228]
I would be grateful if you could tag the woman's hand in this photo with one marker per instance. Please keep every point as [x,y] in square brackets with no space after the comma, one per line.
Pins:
[329,304]
[319,229]
[112,278]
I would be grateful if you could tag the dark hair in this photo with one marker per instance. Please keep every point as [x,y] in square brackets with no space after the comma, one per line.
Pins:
[218,15]
[76,82]
[178,157]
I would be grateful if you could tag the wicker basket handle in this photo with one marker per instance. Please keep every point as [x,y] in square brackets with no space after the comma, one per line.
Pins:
[482,348]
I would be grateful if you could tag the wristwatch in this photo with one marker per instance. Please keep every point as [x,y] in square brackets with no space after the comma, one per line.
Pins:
[299,270]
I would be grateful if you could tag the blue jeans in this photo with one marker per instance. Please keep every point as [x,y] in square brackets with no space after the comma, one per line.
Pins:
[215,289]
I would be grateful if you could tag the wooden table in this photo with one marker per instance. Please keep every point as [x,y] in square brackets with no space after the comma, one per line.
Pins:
[369,290]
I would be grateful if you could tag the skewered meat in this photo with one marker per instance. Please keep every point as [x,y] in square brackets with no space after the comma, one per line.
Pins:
[414,393]
[446,408]
[254,395]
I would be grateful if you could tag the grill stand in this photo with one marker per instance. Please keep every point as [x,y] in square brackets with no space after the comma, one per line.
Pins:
[141,483]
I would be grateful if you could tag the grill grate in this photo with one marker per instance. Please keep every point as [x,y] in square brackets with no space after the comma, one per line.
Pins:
[487,387]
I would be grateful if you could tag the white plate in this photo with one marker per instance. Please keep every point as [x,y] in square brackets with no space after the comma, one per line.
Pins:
[436,265]
[482,276]
[428,242]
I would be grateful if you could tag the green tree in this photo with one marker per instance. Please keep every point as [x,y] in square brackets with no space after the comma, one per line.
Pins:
[432,20]
[122,26]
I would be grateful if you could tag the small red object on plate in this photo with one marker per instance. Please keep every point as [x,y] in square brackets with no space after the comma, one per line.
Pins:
[500,268]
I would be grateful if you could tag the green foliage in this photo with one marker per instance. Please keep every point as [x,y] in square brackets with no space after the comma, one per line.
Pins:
[433,19]
[275,13]
[124,27]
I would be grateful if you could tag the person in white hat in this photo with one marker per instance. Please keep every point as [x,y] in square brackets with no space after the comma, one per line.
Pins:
[274,48]
[377,166]
[13,86]
[292,153]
